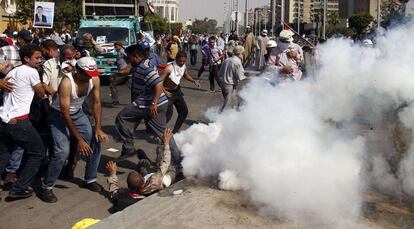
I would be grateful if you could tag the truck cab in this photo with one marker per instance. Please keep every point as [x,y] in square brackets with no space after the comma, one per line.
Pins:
[106,31]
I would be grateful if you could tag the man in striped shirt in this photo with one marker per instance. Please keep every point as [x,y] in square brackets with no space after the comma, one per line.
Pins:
[149,103]
[10,53]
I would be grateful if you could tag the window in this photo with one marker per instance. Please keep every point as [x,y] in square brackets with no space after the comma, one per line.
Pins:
[111,34]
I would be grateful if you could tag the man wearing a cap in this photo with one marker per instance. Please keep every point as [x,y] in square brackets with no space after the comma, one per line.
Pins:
[286,58]
[11,52]
[67,120]
[261,52]
[231,73]
[149,103]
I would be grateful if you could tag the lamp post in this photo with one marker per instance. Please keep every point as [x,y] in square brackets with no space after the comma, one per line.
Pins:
[298,16]
[325,5]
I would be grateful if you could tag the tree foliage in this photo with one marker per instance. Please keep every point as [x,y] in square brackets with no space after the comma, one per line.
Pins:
[359,22]
[176,28]
[205,25]
[333,18]
[159,24]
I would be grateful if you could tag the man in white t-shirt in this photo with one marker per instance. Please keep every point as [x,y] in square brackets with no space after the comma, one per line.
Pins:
[15,127]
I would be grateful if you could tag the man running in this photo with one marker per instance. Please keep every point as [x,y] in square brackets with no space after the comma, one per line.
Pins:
[172,76]
[150,103]
[68,119]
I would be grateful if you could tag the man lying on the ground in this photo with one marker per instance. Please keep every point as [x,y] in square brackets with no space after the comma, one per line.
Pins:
[144,182]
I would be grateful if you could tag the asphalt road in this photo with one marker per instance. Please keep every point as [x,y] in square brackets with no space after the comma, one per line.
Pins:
[74,202]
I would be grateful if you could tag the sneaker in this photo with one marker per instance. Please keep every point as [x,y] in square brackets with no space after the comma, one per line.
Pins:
[94,186]
[21,194]
[127,153]
[10,178]
[48,196]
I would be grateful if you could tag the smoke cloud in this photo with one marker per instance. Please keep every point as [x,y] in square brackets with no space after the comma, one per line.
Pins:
[298,150]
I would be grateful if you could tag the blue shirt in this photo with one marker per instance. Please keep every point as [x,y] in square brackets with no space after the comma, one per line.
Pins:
[155,59]
[144,79]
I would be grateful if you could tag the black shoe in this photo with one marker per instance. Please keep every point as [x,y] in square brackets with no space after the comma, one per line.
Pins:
[94,186]
[67,173]
[127,153]
[142,155]
[21,194]
[115,103]
[48,196]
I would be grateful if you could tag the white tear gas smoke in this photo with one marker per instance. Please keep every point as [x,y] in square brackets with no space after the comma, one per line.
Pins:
[286,148]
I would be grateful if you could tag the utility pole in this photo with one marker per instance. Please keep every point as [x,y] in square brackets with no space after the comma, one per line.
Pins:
[298,16]
[237,16]
[282,13]
[325,6]
[245,14]
[379,14]
[273,9]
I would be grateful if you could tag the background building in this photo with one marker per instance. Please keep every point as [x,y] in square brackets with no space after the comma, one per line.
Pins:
[168,9]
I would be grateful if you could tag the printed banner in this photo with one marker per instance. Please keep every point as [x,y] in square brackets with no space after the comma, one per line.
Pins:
[43,14]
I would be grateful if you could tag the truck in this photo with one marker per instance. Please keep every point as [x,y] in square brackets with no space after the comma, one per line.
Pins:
[107,31]
[109,22]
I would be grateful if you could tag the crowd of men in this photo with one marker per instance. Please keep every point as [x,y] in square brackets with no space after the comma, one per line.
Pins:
[51,90]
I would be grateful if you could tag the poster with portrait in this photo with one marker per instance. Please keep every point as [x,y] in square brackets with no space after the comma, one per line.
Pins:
[43,14]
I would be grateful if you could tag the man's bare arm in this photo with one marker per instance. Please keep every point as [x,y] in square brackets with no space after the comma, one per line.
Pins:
[97,109]
[166,72]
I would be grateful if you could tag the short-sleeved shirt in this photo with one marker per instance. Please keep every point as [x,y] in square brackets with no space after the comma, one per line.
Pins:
[17,102]
[121,61]
[144,79]
[231,71]
[212,53]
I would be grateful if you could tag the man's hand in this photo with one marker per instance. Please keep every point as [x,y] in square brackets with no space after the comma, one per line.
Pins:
[6,66]
[287,70]
[5,84]
[292,54]
[111,167]
[167,136]
[197,83]
[153,110]
[84,148]
[101,136]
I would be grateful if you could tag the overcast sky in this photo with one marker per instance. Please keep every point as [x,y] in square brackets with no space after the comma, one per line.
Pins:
[190,9]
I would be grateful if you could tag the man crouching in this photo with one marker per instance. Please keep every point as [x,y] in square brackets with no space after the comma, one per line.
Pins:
[145,182]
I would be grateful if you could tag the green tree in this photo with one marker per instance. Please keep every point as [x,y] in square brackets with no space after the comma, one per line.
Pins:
[359,22]
[333,18]
[176,27]
[205,25]
[159,24]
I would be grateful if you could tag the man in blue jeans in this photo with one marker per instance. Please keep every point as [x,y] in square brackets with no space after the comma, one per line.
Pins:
[68,119]
[15,127]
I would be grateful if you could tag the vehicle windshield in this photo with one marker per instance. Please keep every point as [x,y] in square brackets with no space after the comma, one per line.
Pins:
[106,34]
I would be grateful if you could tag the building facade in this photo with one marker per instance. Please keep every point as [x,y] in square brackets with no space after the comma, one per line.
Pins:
[168,9]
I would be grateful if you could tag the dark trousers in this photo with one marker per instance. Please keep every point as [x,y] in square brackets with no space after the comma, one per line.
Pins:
[22,134]
[193,56]
[131,115]
[214,70]
[177,100]
[116,80]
